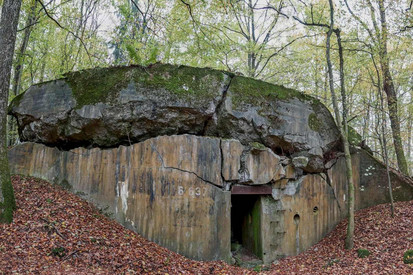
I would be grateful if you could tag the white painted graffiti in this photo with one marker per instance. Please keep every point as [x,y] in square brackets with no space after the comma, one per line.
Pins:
[192,191]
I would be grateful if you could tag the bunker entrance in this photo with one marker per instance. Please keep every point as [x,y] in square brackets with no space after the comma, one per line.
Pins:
[246,226]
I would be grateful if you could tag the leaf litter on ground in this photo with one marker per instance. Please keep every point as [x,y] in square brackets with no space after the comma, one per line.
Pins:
[57,232]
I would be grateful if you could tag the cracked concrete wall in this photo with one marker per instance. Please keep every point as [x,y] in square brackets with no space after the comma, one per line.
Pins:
[307,208]
[166,188]
[174,190]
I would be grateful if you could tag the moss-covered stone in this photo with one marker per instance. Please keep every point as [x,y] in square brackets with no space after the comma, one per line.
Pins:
[363,253]
[408,257]
[108,107]
[181,80]
[103,85]
[252,91]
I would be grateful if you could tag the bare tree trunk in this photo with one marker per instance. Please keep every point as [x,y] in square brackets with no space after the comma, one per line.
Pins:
[409,139]
[366,120]
[325,84]
[342,125]
[344,133]
[8,29]
[382,136]
[18,69]
[388,87]
[330,77]
[22,49]
[386,156]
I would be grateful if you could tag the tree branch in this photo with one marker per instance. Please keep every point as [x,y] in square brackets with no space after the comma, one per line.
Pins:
[66,29]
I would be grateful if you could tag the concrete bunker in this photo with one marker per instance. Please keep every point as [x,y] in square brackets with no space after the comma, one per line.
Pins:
[169,162]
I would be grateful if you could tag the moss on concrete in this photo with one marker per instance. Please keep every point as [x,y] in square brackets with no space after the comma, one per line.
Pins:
[256,229]
[97,85]
[104,84]
[354,138]
[182,80]
[15,102]
[257,146]
[252,91]
[314,123]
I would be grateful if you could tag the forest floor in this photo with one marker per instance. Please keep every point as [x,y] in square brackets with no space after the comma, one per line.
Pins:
[56,232]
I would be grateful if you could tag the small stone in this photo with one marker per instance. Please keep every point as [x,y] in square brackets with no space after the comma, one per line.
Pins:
[300,162]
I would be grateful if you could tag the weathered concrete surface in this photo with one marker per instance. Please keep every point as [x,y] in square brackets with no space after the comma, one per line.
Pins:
[372,187]
[172,190]
[124,105]
[282,119]
[231,150]
[307,208]
[261,166]
[119,105]
[164,188]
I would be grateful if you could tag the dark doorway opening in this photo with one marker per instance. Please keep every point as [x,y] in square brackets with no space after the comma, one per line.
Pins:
[246,226]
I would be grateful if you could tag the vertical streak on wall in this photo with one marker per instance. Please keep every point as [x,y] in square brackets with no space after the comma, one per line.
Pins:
[169,203]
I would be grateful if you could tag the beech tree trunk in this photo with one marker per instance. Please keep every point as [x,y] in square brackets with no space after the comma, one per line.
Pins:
[18,69]
[8,29]
[16,85]
[388,87]
[342,124]
[344,133]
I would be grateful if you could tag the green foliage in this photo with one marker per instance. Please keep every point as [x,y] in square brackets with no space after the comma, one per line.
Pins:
[408,257]
[331,262]
[363,253]
[136,39]
[353,137]
[133,54]
[58,251]
[51,50]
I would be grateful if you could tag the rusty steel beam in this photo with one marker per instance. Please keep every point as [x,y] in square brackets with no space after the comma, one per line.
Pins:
[251,190]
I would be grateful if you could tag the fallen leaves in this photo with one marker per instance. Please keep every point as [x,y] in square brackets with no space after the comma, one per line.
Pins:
[385,237]
[55,232]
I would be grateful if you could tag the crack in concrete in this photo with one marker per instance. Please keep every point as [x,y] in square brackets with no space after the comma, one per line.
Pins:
[254,126]
[219,107]
[243,171]
[226,184]
[182,170]
[328,181]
